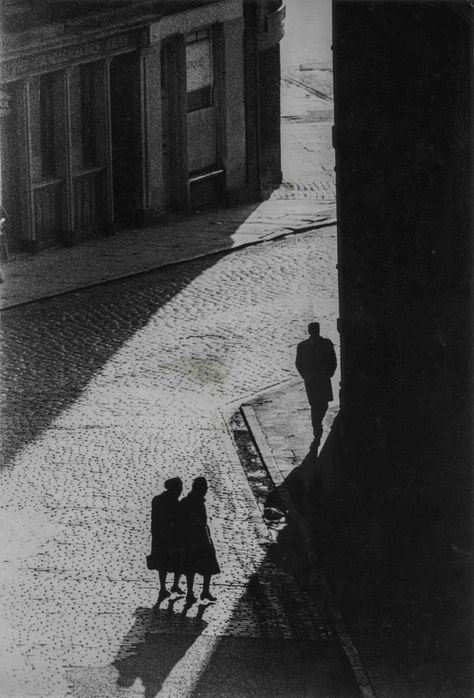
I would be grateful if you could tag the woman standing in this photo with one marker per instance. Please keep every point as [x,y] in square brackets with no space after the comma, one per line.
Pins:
[199,553]
[166,536]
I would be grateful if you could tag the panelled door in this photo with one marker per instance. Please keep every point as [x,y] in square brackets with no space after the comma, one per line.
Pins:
[86,156]
[200,103]
[189,99]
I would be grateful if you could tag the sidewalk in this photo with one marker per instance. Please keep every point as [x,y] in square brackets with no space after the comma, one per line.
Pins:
[27,278]
[283,418]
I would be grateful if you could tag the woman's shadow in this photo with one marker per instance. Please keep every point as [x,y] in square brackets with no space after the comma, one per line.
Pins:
[156,642]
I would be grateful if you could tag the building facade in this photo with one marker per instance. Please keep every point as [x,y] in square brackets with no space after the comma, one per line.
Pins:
[403,129]
[113,113]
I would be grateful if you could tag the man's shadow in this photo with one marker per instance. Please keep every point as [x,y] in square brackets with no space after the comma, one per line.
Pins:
[313,481]
[154,645]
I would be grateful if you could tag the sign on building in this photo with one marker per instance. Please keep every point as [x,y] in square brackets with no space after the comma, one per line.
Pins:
[5,104]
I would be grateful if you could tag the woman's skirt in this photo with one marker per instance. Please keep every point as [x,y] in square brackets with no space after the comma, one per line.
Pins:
[200,558]
[165,557]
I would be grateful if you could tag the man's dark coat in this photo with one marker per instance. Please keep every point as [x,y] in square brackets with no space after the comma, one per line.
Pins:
[316,363]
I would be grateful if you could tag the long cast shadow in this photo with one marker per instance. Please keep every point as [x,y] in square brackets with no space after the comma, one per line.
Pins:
[269,647]
[51,349]
[154,645]
[150,650]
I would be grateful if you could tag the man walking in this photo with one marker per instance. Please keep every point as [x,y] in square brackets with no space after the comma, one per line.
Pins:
[316,363]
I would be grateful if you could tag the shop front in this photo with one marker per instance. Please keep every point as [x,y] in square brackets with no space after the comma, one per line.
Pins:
[112,123]
[56,154]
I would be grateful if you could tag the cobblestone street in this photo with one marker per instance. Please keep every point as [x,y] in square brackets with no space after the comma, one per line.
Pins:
[109,391]
[153,293]
[306,134]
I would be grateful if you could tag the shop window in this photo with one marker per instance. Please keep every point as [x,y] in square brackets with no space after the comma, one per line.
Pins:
[47,124]
[199,70]
[88,120]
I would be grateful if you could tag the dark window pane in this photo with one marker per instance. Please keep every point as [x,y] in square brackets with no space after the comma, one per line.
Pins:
[200,99]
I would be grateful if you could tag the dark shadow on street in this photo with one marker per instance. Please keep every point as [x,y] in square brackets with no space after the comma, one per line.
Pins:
[286,650]
[275,668]
[315,476]
[155,644]
[51,349]
[240,665]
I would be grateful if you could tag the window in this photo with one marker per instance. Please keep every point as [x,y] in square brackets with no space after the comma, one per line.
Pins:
[199,70]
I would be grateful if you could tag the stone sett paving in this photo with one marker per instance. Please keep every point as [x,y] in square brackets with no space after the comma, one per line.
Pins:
[308,157]
[322,190]
[106,393]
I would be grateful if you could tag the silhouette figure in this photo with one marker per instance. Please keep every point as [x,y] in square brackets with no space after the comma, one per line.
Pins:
[166,536]
[316,363]
[199,553]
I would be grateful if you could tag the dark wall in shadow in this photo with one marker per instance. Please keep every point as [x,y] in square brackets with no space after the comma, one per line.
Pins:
[412,602]
[400,524]
[404,186]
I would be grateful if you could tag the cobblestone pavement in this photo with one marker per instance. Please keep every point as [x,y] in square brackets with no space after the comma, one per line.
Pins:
[107,392]
[181,238]
[306,135]
[322,190]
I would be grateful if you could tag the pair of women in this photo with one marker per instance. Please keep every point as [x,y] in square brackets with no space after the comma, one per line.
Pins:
[180,539]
